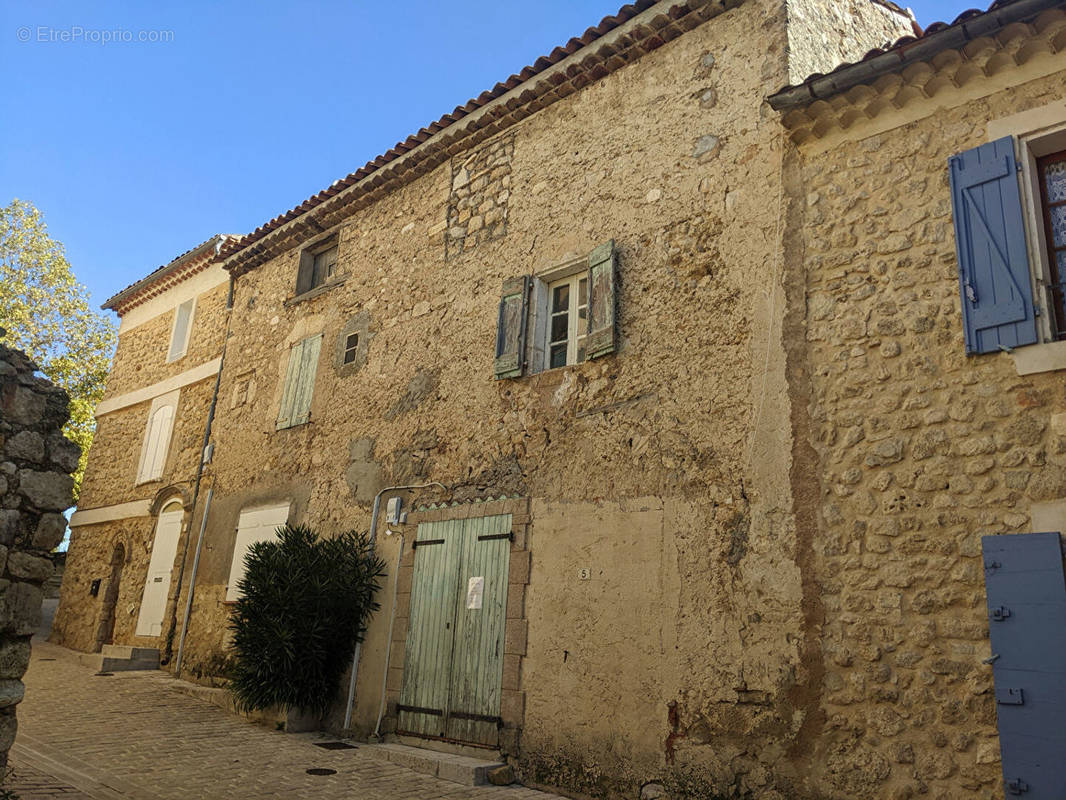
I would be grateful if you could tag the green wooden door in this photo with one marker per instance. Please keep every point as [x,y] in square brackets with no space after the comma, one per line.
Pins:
[453,668]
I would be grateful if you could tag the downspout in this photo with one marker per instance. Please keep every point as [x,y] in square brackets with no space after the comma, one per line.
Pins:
[373,541]
[169,652]
[192,581]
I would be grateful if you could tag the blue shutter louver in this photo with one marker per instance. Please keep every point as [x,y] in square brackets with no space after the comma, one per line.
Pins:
[997,296]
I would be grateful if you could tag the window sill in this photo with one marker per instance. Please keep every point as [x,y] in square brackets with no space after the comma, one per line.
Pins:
[312,293]
[1046,357]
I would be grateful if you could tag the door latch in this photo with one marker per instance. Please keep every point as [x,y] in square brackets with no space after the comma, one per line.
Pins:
[1000,613]
[1017,786]
[1010,697]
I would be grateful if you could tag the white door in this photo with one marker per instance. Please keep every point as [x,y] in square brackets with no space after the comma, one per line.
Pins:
[254,525]
[156,588]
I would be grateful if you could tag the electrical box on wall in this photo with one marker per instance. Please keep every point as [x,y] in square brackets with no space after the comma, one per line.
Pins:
[392,511]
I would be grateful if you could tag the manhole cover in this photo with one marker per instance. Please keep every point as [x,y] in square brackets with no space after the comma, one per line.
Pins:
[103,674]
[335,746]
[321,771]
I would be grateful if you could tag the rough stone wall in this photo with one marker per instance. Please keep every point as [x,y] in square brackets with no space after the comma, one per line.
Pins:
[111,474]
[822,34]
[678,161]
[477,207]
[35,486]
[922,451]
[141,354]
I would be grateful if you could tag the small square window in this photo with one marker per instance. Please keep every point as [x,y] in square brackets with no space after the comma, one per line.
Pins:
[318,266]
[351,348]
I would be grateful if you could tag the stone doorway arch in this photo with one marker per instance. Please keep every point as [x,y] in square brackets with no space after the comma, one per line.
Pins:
[105,632]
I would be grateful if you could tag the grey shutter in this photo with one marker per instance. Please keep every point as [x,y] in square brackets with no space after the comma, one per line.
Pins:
[1027,625]
[511,328]
[179,340]
[288,394]
[602,262]
[997,296]
[305,384]
[305,274]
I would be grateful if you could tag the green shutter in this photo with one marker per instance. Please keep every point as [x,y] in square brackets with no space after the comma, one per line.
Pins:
[602,262]
[301,407]
[299,382]
[511,328]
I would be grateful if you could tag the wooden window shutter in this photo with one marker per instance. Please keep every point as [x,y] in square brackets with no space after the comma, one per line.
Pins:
[511,328]
[288,394]
[305,273]
[602,263]
[179,338]
[305,383]
[997,296]
[155,446]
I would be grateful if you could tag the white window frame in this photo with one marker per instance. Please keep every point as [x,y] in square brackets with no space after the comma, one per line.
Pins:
[157,435]
[1037,132]
[257,524]
[538,351]
[178,349]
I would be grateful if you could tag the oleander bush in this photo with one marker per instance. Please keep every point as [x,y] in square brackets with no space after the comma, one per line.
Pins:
[305,602]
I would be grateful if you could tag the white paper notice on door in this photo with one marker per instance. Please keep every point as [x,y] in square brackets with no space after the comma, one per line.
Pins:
[475,593]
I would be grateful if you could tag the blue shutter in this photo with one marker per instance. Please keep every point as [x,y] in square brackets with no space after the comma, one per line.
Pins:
[997,296]
[1027,626]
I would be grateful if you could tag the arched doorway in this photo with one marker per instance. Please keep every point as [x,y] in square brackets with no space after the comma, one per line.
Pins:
[157,583]
[105,632]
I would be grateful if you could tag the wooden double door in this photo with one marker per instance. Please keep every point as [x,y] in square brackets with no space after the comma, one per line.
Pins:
[453,665]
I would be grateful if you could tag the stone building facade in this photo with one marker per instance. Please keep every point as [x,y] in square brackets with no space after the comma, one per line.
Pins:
[740,479]
[35,488]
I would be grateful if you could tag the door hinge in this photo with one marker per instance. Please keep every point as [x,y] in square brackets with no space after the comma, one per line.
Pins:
[1000,613]
[1010,697]
[1017,786]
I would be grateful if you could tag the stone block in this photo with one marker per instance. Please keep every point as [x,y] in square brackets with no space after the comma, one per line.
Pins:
[11,526]
[500,776]
[8,727]
[519,567]
[14,657]
[516,601]
[29,567]
[512,672]
[23,406]
[50,530]
[20,608]
[48,491]
[512,707]
[25,446]
[515,636]
[64,453]
[11,692]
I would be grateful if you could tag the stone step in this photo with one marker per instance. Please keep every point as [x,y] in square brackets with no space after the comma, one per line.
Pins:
[457,769]
[128,652]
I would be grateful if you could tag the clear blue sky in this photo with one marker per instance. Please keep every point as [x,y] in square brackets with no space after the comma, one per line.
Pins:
[135,152]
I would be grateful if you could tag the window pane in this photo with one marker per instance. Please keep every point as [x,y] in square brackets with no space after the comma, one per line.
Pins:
[352,341]
[560,326]
[561,298]
[1055,182]
[583,292]
[1058,225]
[558,355]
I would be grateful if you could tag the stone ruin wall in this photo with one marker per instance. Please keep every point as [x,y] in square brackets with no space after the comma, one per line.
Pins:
[36,462]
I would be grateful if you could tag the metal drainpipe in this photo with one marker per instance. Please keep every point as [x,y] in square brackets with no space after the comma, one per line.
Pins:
[192,580]
[196,488]
[388,643]
[373,540]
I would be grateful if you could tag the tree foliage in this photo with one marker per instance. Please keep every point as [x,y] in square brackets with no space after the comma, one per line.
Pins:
[45,313]
[305,603]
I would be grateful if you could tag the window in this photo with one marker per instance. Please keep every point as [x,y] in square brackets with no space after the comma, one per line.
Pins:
[560,317]
[179,333]
[318,265]
[157,437]
[299,382]
[254,525]
[351,348]
[1051,177]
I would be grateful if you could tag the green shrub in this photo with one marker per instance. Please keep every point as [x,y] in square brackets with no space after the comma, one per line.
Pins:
[305,603]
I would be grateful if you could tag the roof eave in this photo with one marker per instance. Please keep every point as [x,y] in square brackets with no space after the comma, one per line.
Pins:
[115,301]
[894,60]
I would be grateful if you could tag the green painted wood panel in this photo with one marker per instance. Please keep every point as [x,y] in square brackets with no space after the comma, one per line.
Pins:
[477,670]
[431,628]
[454,657]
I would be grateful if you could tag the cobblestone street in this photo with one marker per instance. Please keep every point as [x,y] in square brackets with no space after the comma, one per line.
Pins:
[131,735]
